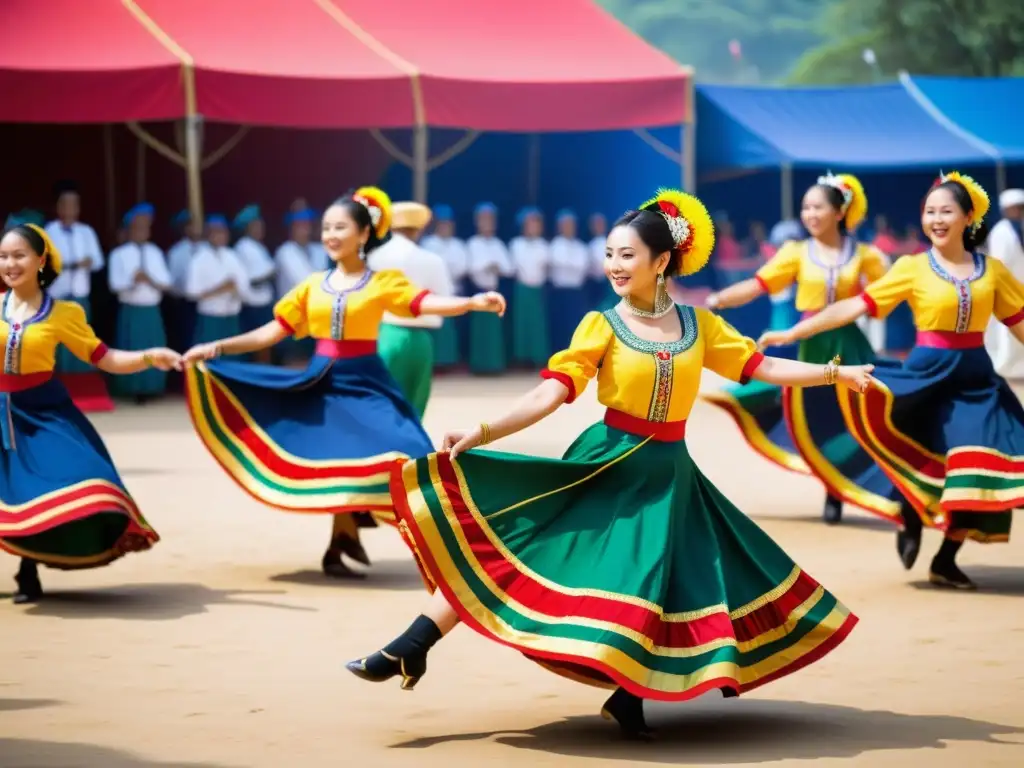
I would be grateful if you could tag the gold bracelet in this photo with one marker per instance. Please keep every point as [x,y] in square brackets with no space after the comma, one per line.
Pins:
[485,433]
[832,370]
[147,359]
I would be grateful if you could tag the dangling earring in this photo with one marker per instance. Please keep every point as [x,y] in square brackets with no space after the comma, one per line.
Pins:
[662,301]
[362,253]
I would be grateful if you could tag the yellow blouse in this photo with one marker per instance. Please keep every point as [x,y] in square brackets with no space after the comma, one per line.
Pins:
[31,346]
[940,302]
[314,308]
[656,381]
[819,284]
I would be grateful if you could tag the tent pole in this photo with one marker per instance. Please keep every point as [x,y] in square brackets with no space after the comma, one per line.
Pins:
[786,191]
[193,165]
[689,137]
[420,159]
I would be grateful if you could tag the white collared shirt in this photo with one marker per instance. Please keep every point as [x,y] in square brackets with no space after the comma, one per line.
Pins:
[178,258]
[131,258]
[293,266]
[531,257]
[453,251]
[488,260]
[209,268]
[76,244]
[424,269]
[260,268]
[570,263]
[597,250]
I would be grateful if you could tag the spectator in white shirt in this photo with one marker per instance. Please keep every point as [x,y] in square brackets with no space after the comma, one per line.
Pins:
[82,257]
[1006,243]
[453,335]
[489,261]
[139,278]
[217,282]
[294,262]
[181,317]
[258,304]
[531,258]
[570,270]
[600,293]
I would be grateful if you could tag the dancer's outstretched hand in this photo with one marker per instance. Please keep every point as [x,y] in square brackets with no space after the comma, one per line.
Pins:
[163,358]
[491,301]
[461,440]
[201,352]
[856,377]
[775,339]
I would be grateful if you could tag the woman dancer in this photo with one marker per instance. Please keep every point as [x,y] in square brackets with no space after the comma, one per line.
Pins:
[944,426]
[619,565]
[827,267]
[62,502]
[322,440]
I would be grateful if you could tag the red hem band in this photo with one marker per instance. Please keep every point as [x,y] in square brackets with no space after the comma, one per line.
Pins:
[563,379]
[99,353]
[752,364]
[761,282]
[416,303]
[285,324]
[1013,319]
[870,304]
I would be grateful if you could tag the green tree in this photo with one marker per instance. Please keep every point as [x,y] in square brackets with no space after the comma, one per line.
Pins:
[976,38]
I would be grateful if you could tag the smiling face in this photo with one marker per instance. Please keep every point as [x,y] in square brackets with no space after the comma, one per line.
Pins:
[942,219]
[341,236]
[19,263]
[817,213]
[629,264]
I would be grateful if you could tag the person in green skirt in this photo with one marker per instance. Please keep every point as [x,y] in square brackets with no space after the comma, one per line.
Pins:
[619,565]
[406,344]
[803,430]
[489,262]
[218,282]
[448,339]
[531,260]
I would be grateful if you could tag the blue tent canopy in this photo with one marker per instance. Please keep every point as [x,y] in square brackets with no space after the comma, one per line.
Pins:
[879,127]
[989,110]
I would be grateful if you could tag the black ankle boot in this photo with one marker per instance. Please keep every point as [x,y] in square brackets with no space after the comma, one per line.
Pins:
[30,589]
[628,711]
[352,548]
[406,656]
[332,566]
[832,513]
[908,538]
[944,571]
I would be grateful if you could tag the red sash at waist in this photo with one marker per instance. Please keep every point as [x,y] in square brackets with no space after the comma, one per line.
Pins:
[19,382]
[662,431]
[950,339]
[345,348]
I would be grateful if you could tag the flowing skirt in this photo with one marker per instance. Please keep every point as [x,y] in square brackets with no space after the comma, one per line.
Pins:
[408,354]
[530,327]
[620,564]
[949,433]
[140,328]
[62,501]
[66,362]
[321,440]
[486,344]
[803,429]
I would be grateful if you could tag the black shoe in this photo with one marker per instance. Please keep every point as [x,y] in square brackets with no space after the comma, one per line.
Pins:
[365,520]
[382,666]
[908,539]
[333,567]
[948,575]
[832,513]
[30,589]
[628,711]
[351,548]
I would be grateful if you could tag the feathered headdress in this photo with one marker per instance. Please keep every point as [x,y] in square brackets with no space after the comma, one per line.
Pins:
[855,202]
[378,204]
[692,230]
[979,197]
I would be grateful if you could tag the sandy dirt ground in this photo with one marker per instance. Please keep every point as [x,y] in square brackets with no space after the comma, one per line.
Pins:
[224,646]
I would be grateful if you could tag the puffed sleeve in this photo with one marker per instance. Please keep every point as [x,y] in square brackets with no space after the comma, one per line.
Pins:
[291,309]
[77,335]
[781,270]
[578,364]
[398,295]
[727,352]
[1009,294]
[893,288]
[874,264]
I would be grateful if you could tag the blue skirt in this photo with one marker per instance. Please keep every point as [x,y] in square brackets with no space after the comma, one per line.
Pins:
[62,502]
[949,433]
[66,362]
[321,440]
[140,328]
[566,307]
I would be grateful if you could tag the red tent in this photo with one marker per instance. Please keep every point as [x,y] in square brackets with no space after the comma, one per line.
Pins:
[532,65]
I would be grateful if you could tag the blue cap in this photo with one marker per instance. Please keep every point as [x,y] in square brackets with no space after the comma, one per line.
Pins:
[485,208]
[142,209]
[565,213]
[181,218]
[246,216]
[443,212]
[525,213]
[217,220]
[25,216]
[306,214]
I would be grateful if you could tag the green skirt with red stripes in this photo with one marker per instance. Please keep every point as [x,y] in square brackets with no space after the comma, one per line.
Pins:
[618,565]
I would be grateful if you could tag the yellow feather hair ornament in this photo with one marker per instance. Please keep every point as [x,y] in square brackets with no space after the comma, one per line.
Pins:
[855,201]
[50,251]
[690,224]
[979,197]
[378,204]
